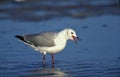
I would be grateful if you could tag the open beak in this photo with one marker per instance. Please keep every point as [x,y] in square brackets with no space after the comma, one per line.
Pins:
[75,39]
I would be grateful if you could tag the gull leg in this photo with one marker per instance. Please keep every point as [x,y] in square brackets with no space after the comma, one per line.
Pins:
[44,60]
[52,60]
[44,57]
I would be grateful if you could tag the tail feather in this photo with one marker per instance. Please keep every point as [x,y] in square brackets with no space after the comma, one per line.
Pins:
[20,38]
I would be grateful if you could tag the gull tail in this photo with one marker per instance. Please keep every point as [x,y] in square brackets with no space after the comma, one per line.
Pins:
[20,38]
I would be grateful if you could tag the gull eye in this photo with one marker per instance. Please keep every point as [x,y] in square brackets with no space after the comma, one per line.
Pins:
[72,33]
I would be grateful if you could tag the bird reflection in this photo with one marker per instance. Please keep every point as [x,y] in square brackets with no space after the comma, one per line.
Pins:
[47,72]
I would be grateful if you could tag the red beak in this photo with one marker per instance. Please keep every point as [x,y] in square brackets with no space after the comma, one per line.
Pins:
[75,39]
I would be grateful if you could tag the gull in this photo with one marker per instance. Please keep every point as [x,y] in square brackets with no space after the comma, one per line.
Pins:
[49,42]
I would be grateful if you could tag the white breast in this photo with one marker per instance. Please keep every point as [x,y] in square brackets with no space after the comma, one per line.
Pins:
[60,43]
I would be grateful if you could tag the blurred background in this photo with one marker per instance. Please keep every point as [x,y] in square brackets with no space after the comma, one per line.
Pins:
[97,23]
[41,10]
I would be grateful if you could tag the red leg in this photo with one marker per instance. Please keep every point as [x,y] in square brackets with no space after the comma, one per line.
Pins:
[52,58]
[44,60]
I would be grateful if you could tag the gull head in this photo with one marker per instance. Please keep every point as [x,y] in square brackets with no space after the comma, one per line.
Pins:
[71,34]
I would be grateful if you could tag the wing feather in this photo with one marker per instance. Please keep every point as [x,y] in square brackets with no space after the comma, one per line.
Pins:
[42,40]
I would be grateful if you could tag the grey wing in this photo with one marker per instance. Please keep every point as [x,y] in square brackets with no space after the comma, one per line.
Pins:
[42,40]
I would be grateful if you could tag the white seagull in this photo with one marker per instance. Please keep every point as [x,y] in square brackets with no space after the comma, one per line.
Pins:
[49,42]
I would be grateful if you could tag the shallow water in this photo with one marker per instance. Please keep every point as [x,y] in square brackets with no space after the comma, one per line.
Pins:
[97,54]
